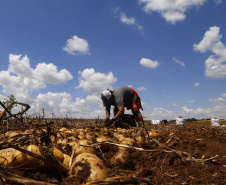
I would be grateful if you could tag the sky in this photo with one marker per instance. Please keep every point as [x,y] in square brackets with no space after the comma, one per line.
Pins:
[58,56]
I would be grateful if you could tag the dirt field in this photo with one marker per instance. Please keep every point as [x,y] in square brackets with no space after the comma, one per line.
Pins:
[190,154]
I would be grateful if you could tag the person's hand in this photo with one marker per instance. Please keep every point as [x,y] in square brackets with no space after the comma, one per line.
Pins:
[106,122]
[111,121]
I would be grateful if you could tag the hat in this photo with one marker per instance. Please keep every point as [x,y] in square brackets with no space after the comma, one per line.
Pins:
[105,96]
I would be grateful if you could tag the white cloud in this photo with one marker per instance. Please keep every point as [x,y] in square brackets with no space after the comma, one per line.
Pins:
[61,104]
[95,82]
[21,80]
[211,42]
[131,21]
[178,62]
[175,105]
[127,20]
[49,73]
[217,110]
[171,11]
[218,100]
[76,45]
[192,113]
[161,113]
[93,99]
[199,113]
[149,63]
[141,88]
[196,84]
[20,66]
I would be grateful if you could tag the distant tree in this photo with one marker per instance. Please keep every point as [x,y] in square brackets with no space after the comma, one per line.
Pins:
[9,100]
[191,119]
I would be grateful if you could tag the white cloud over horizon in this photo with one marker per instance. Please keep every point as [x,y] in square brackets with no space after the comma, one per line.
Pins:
[21,80]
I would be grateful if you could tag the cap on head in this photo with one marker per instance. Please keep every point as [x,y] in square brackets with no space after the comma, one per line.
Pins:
[105,96]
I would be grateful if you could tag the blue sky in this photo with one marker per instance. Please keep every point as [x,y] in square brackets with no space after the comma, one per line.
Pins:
[60,55]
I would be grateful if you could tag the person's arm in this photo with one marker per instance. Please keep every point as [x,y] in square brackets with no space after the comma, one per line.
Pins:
[108,112]
[120,112]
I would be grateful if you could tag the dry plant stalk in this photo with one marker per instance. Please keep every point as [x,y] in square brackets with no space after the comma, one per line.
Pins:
[21,180]
[5,109]
[121,180]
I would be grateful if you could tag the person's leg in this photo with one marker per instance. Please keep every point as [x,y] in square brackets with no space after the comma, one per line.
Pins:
[136,111]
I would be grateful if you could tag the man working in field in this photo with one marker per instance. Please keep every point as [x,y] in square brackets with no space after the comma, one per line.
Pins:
[120,98]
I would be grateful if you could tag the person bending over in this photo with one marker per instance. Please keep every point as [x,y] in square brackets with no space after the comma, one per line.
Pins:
[121,98]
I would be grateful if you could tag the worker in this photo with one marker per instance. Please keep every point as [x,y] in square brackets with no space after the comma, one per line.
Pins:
[120,98]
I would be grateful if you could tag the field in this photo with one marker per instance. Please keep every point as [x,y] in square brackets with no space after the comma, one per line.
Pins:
[170,154]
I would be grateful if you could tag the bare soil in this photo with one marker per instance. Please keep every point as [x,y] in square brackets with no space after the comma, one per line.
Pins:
[191,154]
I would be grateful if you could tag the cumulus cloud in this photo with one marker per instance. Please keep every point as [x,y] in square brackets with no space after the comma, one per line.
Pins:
[20,65]
[196,84]
[95,82]
[218,109]
[49,73]
[171,11]
[161,113]
[61,104]
[191,113]
[76,45]
[215,67]
[178,62]
[145,62]
[93,99]
[21,80]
